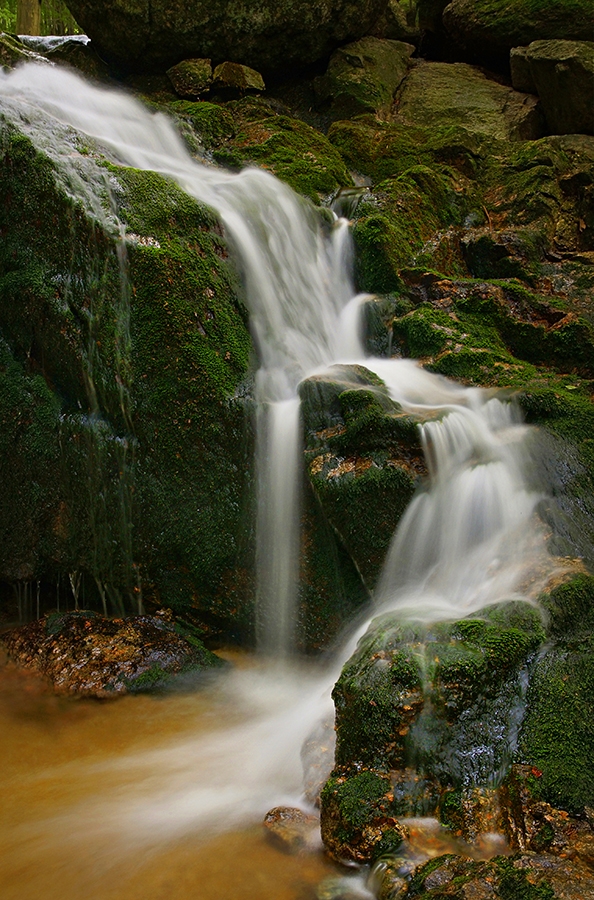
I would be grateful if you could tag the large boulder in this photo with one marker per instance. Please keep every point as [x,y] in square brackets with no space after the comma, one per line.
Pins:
[143,35]
[363,77]
[490,27]
[563,74]
[124,456]
[435,93]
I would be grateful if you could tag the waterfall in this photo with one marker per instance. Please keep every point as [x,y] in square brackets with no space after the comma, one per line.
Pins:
[297,282]
[468,540]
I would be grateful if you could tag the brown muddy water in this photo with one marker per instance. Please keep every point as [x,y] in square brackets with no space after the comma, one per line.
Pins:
[70,770]
[157,797]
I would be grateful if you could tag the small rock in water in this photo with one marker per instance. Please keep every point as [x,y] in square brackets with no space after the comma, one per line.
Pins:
[291,829]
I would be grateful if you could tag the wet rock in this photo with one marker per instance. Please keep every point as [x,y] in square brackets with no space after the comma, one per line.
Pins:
[358,822]
[153,459]
[291,829]
[529,875]
[363,77]
[456,94]
[409,691]
[145,36]
[13,51]
[191,78]
[563,73]
[234,77]
[84,654]
[530,823]
[82,57]
[363,456]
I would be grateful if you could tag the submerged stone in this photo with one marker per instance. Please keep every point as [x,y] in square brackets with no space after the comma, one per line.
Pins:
[292,830]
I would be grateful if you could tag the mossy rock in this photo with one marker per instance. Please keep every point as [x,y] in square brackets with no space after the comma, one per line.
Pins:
[357,818]
[130,390]
[363,459]
[456,94]
[437,698]
[363,77]
[496,28]
[292,150]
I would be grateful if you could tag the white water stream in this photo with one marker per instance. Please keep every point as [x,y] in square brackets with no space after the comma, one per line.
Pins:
[469,540]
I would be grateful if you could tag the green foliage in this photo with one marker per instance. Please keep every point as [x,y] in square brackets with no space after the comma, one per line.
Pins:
[55,17]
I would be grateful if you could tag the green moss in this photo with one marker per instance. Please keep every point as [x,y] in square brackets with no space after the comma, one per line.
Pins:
[213,123]
[130,385]
[558,734]
[570,607]
[292,150]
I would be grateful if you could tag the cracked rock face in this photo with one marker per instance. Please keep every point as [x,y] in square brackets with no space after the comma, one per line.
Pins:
[148,35]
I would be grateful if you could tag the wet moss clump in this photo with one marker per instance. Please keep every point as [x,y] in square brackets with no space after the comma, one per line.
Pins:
[557,736]
[251,132]
[357,818]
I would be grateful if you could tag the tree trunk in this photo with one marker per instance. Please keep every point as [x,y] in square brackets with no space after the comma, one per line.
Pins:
[28,17]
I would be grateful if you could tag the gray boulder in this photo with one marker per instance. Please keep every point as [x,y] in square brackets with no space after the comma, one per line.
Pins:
[151,35]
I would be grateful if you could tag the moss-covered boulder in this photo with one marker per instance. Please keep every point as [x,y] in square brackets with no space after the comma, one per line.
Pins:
[490,28]
[426,723]
[253,131]
[124,453]
[363,77]
[563,74]
[363,459]
[456,94]
[153,35]
[191,78]
[83,654]
[425,696]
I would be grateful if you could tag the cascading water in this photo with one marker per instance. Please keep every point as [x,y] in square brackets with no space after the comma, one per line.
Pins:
[297,283]
[468,541]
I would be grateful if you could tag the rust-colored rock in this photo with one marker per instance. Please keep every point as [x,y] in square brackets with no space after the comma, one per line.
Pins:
[291,829]
[85,654]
